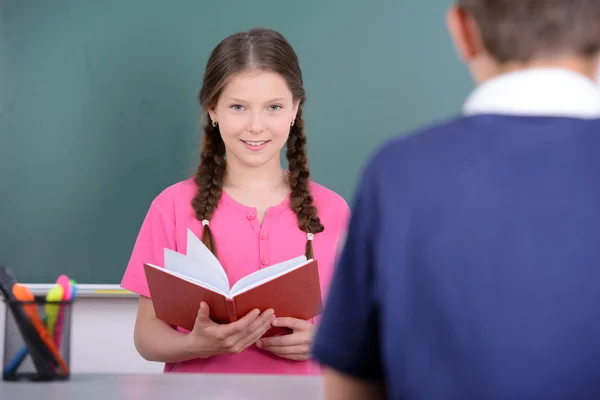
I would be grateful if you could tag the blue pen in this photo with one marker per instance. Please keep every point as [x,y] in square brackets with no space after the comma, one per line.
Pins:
[11,367]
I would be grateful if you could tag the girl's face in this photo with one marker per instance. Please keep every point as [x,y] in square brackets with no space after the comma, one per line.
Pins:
[254,115]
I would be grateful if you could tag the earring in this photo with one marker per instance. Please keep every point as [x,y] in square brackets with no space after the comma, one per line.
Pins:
[214,123]
[293,122]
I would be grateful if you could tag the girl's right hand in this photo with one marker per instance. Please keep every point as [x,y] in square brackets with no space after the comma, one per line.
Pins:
[208,338]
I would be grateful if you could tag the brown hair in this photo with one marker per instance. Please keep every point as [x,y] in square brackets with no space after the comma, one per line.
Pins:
[264,50]
[525,30]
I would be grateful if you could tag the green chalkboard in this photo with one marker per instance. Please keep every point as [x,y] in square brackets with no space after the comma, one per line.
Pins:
[98,109]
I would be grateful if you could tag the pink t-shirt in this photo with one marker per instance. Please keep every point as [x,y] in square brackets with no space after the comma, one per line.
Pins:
[243,246]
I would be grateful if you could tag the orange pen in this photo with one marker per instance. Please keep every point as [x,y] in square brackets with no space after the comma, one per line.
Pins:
[23,294]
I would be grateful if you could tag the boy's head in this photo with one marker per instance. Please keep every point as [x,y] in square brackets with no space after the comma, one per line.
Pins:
[495,36]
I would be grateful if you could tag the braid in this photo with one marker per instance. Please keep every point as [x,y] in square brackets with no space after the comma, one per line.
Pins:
[301,198]
[209,179]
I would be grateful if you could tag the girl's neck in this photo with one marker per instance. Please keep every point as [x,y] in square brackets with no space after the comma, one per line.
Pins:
[265,177]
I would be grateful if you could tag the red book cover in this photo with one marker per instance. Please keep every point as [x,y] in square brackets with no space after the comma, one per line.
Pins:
[291,288]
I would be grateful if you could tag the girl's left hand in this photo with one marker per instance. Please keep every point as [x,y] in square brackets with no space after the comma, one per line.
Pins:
[293,346]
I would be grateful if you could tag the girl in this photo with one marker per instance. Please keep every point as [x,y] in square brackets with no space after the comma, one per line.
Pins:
[249,212]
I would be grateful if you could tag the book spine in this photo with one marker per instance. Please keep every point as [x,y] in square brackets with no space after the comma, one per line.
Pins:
[231,310]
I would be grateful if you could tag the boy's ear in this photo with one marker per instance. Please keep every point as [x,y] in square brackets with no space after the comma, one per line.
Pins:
[464,33]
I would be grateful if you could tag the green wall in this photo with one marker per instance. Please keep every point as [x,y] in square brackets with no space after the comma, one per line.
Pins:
[98,109]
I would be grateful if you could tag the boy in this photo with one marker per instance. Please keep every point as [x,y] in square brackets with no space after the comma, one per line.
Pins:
[471,269]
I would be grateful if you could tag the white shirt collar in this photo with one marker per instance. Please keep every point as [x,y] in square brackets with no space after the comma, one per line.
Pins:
[537,92]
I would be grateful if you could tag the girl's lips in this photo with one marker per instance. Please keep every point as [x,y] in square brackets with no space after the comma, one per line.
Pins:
[255,145]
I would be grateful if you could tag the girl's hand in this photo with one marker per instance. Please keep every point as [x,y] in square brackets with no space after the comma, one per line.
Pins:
[208,338]
[294,346]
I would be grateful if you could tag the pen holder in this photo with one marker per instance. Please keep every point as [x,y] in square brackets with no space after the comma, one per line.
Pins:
[37,340]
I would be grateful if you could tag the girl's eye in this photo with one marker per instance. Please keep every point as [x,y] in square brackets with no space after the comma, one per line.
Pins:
[237,107]
[275,107]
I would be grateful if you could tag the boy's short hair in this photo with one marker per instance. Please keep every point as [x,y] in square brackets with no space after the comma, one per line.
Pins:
[524,30]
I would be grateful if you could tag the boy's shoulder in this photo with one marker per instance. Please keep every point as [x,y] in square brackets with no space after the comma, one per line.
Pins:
[465,133]
[454,144]
[421,144]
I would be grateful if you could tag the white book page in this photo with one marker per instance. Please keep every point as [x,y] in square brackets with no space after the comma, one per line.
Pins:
[189,279]
[266,274]
[193,271]
[201,255]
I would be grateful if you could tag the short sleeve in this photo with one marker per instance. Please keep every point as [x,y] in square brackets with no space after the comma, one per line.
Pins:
[347,337]
[156,233]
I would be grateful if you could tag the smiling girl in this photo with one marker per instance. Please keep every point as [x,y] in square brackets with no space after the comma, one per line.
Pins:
[248,210]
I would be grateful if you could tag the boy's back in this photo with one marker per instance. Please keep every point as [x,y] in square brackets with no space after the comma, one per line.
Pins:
[471,268]
[493,290]
[474,254]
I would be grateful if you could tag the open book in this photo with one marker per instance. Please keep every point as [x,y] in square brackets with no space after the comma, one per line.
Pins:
[292,288]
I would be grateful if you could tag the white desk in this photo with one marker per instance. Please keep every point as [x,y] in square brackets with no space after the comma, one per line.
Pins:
[168,387]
